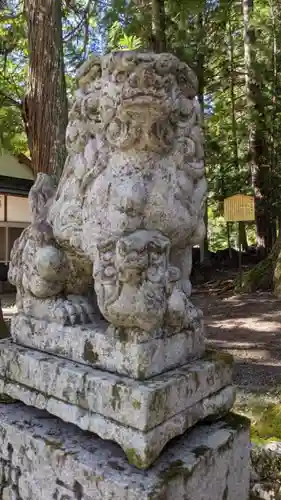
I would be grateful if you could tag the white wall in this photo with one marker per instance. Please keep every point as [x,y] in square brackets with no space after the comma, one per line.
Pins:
[10,166]
[18,209]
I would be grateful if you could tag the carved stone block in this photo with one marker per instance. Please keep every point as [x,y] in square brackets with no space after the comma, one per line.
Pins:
[125,351]
[45,458]
[140,416]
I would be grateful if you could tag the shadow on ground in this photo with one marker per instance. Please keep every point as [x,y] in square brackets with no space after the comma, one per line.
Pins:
[248,327]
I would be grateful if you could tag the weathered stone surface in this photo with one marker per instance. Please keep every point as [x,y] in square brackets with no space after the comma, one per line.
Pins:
[51,284]
[142,405]
[142,416]
[129,206]
[141,448]
[44,459]
[128,352]
[265,473]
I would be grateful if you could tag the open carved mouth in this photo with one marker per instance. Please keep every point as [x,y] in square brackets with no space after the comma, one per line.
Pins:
[142,99]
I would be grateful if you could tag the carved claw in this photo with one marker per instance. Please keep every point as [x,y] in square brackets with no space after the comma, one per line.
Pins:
[73,311]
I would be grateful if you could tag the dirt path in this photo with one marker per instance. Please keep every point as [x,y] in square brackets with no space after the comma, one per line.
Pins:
[249,327]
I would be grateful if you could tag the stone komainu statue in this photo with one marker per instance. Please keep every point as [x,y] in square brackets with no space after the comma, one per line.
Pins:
[129,205]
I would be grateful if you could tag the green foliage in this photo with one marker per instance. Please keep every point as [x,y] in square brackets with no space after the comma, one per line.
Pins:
[265,416]
[118,39]
[267,424]
[129,42]
[13,75]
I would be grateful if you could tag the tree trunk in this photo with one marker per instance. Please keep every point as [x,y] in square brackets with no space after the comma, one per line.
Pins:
[266,275]
[159,42]
[243,236]
[200,71]
[46,103]
[232,99]
[277,271]
[258,154]
[228,240]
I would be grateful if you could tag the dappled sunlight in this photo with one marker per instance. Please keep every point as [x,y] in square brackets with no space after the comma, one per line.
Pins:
[249,328]
[253,323]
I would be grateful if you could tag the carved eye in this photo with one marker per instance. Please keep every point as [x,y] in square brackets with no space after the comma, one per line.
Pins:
[181,79]
[121,76]
[109,272]
[107,256]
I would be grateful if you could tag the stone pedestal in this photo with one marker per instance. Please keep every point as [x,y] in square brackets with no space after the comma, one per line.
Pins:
[127,351]
[141,416]
[43,458]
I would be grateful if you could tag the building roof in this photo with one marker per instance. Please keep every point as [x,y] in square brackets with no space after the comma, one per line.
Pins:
[14,185]
[16,174]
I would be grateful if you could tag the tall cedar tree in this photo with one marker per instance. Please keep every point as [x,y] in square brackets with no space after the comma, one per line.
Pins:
[45,105]
[258,153]
[159,42]
[46,101]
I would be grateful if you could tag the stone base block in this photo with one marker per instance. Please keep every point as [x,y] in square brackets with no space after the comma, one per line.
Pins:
[140,416]
[133,353]
[42,458]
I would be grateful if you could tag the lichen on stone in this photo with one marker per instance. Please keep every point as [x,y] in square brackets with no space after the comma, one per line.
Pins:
[89,354]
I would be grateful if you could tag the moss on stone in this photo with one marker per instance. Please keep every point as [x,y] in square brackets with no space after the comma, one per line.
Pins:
[267,426]
[236,421]
[136,404]
[141,374]
[200,451]
[116,397]
[4,399]
[265,420]
[134,458]
[218,356]
[158,403]
[89,354]
[174,470]
[122,334]
[55,444]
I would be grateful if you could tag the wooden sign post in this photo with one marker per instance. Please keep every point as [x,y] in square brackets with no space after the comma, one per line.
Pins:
[239,208]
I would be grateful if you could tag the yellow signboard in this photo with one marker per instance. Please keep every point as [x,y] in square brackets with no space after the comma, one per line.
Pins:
[239,207]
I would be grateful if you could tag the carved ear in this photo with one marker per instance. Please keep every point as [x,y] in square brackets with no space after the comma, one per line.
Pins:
[174,274]
[187,80]
[89,71]
[41,192]
[159,242]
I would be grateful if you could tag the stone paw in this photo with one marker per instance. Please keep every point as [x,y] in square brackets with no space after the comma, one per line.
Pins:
[73,311]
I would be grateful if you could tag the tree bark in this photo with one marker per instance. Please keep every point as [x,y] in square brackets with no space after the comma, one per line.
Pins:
[46,103]
[159,42]
[258,154]
[232,98]
[200,71]
[266,275]
[242,237]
